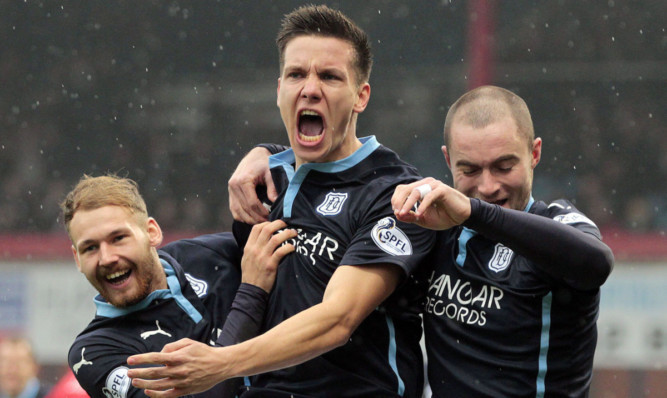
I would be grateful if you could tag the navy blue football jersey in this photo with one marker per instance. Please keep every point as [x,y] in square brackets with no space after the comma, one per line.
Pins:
[496,325]
[202,274]
[343,216]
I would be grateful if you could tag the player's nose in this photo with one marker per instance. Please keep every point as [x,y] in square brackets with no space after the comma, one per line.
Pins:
[311,87]
[487,185]
[107,254]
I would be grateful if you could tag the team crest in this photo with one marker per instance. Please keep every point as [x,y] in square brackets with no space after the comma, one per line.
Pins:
[199,286]
[117,384]
[333,204]
[388,237]
[502,256]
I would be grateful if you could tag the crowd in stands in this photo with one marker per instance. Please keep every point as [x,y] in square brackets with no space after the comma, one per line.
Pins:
[173,94]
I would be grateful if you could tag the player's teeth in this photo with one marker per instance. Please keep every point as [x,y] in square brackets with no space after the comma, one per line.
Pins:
[115,275]
[309,138]
[309,113]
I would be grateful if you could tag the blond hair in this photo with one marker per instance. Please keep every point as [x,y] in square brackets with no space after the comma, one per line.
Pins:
[91,193]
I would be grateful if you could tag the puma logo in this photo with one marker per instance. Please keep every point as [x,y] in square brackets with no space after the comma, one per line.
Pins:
[82,362]
[150,333]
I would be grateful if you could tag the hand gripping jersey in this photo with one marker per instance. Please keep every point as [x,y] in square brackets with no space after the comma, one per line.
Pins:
[343,216]
[497,325]
[202,273]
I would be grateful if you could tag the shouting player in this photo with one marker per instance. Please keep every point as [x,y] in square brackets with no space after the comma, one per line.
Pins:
[342,319]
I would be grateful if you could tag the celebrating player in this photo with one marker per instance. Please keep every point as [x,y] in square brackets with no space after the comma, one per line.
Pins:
[342,319]
[150,297]
[514,295]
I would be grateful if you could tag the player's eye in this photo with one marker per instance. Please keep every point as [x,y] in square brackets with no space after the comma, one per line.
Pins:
[88,249]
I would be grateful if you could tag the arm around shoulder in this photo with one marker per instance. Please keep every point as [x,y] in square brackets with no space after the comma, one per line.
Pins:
[351,295]
[560,249]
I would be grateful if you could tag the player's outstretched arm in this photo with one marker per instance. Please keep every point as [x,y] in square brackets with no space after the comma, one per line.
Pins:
[188,367]
[580,258]
[253,170]
[439,206]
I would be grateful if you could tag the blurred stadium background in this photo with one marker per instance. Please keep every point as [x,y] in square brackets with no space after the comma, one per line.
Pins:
[174,93]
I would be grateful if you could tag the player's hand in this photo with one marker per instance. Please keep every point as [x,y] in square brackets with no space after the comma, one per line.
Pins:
[187,367]
[439,206]
[253,170]
[263,251]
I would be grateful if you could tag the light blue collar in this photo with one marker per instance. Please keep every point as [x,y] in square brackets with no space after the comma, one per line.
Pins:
[109,311]
[286,159]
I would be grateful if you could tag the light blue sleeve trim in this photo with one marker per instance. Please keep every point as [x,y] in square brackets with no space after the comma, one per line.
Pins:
[286,158]
[107,310]
[392,354]
[544,346]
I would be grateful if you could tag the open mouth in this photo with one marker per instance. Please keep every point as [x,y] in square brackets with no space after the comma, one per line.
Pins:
[311,126]
[500,202]
[118,277]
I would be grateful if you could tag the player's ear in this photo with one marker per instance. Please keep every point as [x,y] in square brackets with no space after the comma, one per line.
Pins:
[363,96]
[446,153]
[278,94]
[154,232]
[536,152]
[76,258]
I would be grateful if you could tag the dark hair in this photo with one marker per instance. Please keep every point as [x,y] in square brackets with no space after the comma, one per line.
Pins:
[488,104]
[312,20]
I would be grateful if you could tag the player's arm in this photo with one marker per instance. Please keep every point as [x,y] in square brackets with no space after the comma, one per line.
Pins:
[100,369]
[266,246]
[351,295]
[579,258]
[253,170]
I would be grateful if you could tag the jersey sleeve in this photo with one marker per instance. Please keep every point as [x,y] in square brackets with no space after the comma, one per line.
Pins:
[562,242]
[245,318]
[273,148]
[380,238]
[100,366]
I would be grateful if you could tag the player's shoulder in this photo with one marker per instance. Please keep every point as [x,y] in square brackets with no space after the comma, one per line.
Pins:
[100,341]
[218,242]
[385,169]
[98,361]
[565,212]
[217,247]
